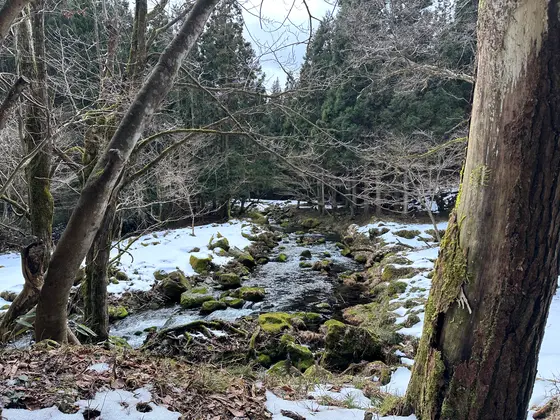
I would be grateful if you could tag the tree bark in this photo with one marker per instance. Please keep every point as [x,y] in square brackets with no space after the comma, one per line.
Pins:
[498,266]
[11,100]
[90,209]
[31,65]
[8,13]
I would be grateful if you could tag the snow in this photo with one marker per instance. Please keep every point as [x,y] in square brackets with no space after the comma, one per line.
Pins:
[348,394]
[113,405]
[399,382]
[167,250]
[99,367]
[312,409]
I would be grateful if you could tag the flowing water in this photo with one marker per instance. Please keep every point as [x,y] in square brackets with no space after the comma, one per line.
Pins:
[288,288]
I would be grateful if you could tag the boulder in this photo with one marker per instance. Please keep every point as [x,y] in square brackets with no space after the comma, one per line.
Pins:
[306,253]
[200,264]
[212,305]
[232,302]
[346,344]
[218,242]
[282,258]
[172,290]
[252,294]
[117,312]
[192,299]
[229,280]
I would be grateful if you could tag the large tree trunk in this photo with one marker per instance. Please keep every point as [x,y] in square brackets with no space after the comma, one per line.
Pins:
[90,210]
[8,13]
[498,266]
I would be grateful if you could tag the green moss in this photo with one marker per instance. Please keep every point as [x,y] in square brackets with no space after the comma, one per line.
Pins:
[340,245]
[360,258]
[396,288]
[391,405]
[118,342]
[210,306]
[346,344]
[117,312]
[221,242]
[407,234]
[282,258]
[172,290]
[5,307]
[317,372]
[305,264]
[121,275]
[300,356]
[375,232]
[160,274]
[390,272]
[200,265]
[324,265]
[246,259]
[264,359]
[194,300]
[346,252]
[200,289]
[306,253]
[310,223]
[252,294]
[233,302]
[229,280]
[412,320]
[258,218]
[275,322]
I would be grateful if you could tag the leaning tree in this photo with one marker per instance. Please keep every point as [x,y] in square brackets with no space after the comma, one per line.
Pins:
[498,266]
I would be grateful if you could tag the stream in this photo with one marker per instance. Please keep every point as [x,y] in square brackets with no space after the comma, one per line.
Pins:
[288,288]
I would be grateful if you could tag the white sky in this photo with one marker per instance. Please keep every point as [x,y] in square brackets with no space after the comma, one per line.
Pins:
[279,30]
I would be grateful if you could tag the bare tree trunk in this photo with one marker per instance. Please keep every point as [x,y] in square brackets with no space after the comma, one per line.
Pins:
[498,265]
[8,13]
[97,265]
[89,212]
[11,99]
[31,63]
[378,199]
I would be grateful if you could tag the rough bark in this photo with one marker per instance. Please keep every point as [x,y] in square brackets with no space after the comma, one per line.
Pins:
[31,65]
[90,209]
[8,13]
[498,266]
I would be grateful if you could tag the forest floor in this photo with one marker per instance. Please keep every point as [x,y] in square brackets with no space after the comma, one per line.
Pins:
[260,361]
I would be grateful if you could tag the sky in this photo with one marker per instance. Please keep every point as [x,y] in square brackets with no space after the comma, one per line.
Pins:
[279,31]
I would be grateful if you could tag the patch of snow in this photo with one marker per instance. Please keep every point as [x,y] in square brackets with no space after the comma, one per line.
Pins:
[11,279]
[99,367]
[407,361]
[399,382]
[113,405]
[416,329]
[349,394]
[311,409]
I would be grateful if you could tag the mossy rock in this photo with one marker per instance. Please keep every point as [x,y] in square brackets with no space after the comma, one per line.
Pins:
[346,344]
[300,356]
[340,245]
[390,272]
[274,322]
[327,254]
[262,261]
[317,372]
[229,280]
[232,302]
[375,232]
[5,307]
[252,294]
[412,320]
[220,242]
[282,258]
[407,234]
[346,252]
[257,218]
[172,290]
[121,276]
[200,264]
[360,258]
[399,260]
[179,277]
[246,259]
[396,288]
[324,265]
[264,360]
[379,369]
[117,312]
[113,280]
[210,306]
[306,253]
[310,223]
[391,405]
[283,368]
[160,274]
[191,300]
[118,342]
[305,264]
[411,303]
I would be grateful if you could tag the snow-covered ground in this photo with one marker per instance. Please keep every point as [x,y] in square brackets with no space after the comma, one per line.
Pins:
[164,250]
[112,405]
